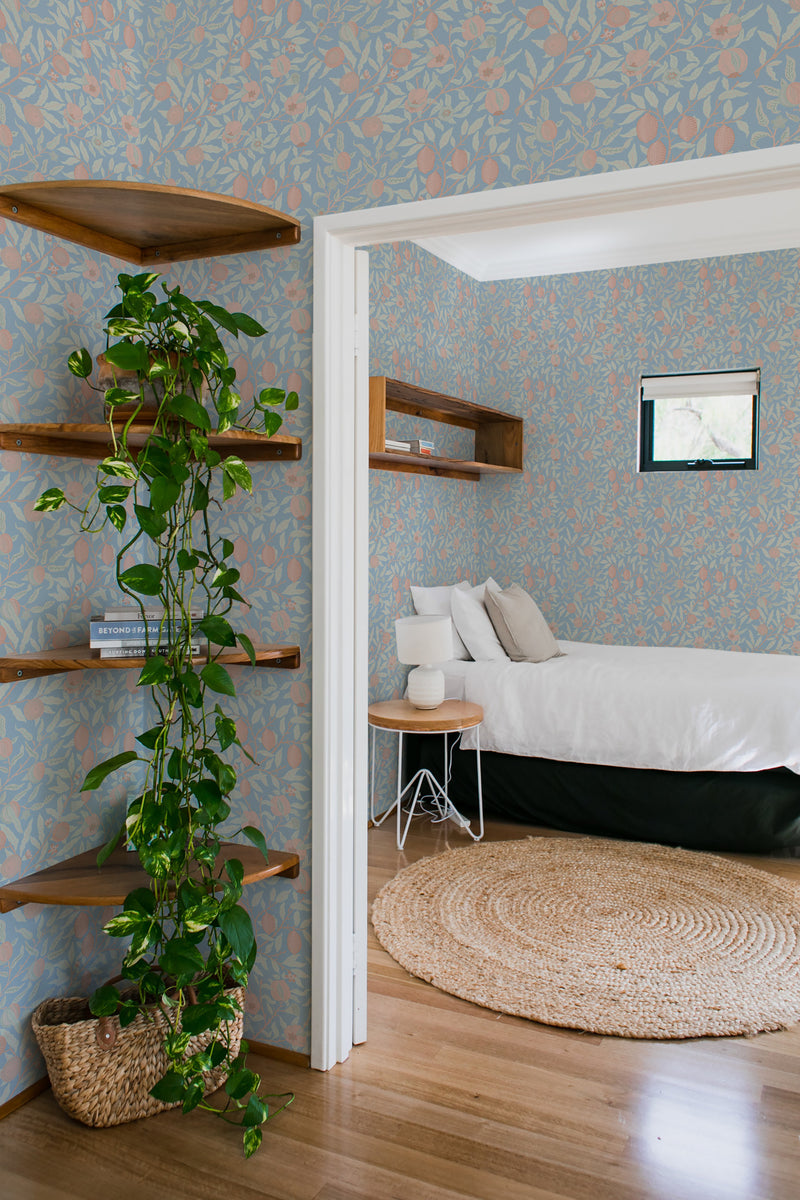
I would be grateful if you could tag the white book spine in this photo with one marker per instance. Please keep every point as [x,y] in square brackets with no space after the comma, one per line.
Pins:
[132,612]
[135,644]
[141,651]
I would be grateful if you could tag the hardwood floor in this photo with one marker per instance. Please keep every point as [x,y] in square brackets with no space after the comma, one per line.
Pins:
[447,1100]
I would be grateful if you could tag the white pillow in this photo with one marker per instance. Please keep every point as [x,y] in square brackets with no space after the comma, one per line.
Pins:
[490,583]
[435,602]
[472,622]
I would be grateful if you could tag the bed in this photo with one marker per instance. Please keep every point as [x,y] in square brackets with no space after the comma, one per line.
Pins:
[689,747]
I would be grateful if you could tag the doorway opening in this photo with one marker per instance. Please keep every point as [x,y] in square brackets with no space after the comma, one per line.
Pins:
[680,210]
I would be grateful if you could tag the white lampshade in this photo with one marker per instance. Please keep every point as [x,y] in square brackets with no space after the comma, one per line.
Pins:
[424,639]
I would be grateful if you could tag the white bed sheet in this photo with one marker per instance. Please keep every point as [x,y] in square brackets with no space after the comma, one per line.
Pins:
[665,708]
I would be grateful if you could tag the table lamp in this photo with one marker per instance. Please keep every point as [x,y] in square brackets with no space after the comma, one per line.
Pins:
[424,641]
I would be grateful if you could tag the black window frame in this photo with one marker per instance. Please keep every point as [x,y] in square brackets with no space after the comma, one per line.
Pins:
[646,416]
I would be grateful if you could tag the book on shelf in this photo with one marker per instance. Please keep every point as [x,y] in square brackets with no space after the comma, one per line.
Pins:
[103,632]
[132,612]
[415,446]
[140,645]
[140,650]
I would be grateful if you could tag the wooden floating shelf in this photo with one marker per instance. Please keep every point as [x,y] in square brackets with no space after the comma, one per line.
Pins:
[82,658]
[94,441]
[436,406]
[144,223]
[79,880]
[498,435]
[433,464]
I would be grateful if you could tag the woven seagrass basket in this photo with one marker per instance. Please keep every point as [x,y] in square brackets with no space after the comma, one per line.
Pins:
[101,1074]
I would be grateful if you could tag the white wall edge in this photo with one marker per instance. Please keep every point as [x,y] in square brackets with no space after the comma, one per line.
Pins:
[361,648]
[334,636]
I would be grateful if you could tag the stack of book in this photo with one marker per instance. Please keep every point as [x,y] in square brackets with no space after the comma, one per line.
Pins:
[123,632]
[415,446]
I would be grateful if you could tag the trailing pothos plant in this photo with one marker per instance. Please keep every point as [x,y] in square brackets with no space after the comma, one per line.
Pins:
[191,941]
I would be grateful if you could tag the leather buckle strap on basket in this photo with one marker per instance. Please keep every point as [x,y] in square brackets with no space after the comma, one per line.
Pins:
[101,1073]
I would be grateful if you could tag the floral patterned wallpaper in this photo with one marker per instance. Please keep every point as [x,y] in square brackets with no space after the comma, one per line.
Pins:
[694,559]
[691,559]
[309,108]
[425,329]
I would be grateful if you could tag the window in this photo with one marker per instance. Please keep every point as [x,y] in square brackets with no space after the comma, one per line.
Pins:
[704,422]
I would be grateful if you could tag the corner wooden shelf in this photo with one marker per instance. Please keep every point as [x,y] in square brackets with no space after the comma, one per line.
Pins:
[498,435]
[82,658]
[145,223]
[93,441]
[79,880]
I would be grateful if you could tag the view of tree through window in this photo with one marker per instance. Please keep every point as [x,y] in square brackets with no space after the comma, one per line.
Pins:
[706,421]
[710,427]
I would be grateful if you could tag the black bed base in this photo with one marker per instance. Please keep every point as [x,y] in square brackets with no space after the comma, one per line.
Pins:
[756,812]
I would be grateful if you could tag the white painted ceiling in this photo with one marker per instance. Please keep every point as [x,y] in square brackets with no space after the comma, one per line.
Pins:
[609,240]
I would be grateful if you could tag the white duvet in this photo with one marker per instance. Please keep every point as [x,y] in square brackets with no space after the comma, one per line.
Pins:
[667,708]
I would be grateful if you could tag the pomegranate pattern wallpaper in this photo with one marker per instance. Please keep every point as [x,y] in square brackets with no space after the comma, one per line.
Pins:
[706,559]
[311,108]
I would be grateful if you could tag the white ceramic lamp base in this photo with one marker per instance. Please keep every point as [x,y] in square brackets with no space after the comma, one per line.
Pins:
[425,687]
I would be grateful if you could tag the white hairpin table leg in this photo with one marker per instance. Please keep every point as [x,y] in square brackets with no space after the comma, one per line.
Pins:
[379,820]
[480,783]
[452,716]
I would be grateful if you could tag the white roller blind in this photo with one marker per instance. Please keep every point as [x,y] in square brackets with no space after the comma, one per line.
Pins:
[676,387]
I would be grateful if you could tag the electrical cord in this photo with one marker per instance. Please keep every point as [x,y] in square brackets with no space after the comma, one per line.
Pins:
[434,806]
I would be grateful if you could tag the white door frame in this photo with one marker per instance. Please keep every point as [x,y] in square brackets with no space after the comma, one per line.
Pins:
[340,606]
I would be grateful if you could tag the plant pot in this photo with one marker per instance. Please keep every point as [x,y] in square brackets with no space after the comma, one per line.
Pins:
[152,394]
[101,1074]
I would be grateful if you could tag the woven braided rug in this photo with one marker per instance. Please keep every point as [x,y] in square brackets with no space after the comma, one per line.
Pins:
[623,938]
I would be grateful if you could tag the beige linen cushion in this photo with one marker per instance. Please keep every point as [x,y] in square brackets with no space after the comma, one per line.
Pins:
[520,625]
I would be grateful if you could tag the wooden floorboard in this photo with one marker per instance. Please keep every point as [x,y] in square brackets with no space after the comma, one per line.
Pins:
[449,1101]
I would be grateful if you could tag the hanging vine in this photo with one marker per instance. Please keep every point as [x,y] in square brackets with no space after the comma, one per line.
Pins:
[191,943]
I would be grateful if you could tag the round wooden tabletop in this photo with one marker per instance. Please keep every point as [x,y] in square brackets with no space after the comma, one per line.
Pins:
[403,717]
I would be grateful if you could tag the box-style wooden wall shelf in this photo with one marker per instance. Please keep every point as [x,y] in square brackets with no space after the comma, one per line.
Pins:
[498,435]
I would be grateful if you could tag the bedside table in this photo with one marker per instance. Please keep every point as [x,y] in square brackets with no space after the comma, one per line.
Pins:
[400,716]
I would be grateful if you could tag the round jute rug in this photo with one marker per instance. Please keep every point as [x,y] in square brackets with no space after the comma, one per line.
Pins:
[638,940]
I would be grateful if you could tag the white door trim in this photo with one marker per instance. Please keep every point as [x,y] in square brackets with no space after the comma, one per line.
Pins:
[340,519]
[360,631]
[337,705]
